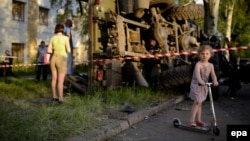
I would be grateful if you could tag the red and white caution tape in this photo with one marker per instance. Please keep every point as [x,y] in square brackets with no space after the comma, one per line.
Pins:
[137,57]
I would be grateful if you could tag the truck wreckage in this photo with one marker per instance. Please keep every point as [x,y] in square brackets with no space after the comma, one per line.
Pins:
[129,59]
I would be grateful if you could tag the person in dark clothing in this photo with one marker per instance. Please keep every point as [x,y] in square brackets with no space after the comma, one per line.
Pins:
[152,65]
[41,67]
[8,62]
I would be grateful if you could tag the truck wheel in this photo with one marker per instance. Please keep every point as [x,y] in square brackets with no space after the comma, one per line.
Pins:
[163,5]
[188,12]
[176,77]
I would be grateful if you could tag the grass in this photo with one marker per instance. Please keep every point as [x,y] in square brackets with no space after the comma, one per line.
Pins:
[26,114]
[24,70]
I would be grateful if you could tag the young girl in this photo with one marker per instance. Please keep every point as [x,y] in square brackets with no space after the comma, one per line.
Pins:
[198,89]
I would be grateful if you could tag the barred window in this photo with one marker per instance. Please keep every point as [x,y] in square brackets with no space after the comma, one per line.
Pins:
[43,16]
[18,52]
[18,9]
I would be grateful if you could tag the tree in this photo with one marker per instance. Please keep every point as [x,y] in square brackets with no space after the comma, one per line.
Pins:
[81,13]
[211,16]
[229,16]
[236,13]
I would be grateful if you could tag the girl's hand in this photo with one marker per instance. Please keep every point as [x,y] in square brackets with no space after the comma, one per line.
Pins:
[215,83]
[201,84]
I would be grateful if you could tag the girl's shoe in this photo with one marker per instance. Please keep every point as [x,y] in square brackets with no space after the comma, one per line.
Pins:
[192,124]
[200,123]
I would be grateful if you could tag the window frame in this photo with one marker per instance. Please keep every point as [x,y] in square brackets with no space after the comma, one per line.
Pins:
[45,11]
[18,11]
[17,51]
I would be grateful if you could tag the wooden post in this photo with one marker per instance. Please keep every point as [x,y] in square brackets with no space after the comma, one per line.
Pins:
[91,45]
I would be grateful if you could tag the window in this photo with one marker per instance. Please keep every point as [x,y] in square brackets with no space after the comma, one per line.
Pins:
[43,16]
[18,51]
[18,11]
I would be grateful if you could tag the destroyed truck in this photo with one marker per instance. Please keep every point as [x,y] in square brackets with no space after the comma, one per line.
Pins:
[127,57]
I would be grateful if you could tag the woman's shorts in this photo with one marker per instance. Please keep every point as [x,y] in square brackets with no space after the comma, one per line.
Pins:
[58,63]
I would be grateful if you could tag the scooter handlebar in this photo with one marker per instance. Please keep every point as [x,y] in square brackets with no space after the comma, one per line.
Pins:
[208,84]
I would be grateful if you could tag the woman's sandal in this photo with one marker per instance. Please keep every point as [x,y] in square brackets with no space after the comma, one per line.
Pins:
[200,123]
[192,124]
[54,99]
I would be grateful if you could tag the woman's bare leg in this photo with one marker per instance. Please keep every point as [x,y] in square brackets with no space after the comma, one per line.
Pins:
[60,82]
[53,84]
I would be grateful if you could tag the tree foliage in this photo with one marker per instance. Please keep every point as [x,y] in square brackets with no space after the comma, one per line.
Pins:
[67,5]
[240,35]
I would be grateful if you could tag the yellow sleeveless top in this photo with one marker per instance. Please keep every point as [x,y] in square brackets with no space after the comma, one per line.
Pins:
[59,44]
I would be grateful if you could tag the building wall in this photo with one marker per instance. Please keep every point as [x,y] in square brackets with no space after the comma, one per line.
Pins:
[32,25]
[29,32]
[45,32]
[11,31]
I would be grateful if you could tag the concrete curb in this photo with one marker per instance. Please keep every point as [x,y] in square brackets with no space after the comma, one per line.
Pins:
[115,128]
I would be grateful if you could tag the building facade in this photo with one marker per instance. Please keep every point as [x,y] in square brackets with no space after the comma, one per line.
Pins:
[25,23]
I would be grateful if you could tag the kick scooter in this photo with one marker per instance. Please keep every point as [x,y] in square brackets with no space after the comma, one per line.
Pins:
[207,128]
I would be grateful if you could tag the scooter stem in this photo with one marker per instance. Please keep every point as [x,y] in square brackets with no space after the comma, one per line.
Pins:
[211,102]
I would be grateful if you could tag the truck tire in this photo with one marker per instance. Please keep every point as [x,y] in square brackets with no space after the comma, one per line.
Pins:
[163,5]
[188,12]
[126,6]
[176,77]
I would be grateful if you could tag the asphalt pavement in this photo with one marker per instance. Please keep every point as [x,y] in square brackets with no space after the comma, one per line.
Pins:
[160,127]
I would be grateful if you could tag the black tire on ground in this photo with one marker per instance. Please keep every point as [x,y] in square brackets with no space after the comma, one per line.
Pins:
[188,12]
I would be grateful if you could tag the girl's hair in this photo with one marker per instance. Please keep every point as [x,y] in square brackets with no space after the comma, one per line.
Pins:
[59,28]
[204,47]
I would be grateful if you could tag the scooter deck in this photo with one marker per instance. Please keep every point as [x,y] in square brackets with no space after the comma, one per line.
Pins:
[178,124]
[205,129]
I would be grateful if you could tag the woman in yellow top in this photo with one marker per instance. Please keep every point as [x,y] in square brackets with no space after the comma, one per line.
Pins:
[59,47]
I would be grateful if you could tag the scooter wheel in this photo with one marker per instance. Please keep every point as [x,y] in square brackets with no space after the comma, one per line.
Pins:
[176,123]
[216,131]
